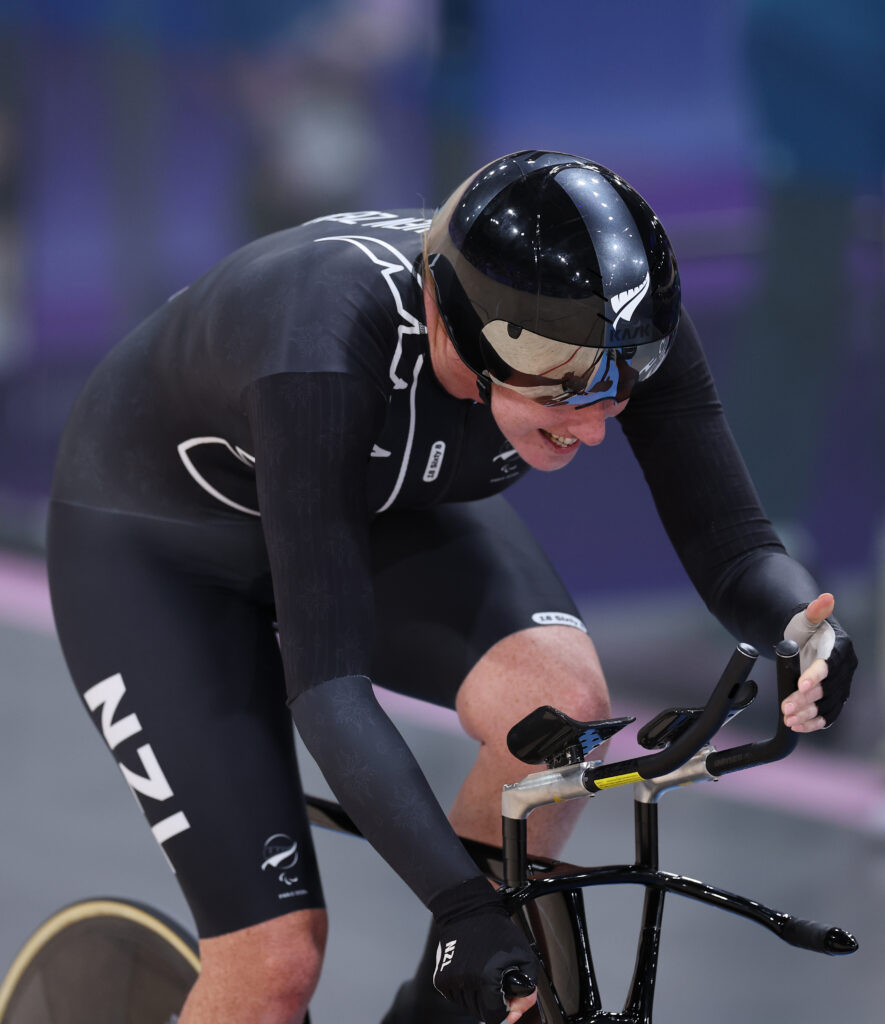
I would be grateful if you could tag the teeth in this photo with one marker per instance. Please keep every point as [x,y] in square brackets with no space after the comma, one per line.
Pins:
[565,442]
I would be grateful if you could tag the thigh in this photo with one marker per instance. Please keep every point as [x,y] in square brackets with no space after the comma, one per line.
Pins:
[450,583]
[181,673]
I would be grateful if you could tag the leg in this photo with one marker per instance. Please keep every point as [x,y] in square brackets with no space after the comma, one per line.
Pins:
[461,592]
[555,665]
[181,673]
[263,974]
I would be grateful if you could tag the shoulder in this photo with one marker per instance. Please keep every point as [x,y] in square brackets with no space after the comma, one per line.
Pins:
[334,293]
[334,265]
[342,250]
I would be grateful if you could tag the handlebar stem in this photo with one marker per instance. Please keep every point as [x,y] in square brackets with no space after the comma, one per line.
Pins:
[547,787]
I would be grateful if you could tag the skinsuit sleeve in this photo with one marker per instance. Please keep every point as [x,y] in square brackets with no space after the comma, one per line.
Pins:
[708,505]
[313,434]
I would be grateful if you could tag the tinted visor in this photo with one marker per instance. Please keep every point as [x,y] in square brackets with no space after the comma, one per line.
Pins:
[556,373]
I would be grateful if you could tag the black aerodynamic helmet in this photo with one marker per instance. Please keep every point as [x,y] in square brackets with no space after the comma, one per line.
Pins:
[554,277]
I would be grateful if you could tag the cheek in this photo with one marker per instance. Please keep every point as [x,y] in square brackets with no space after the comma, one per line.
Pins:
[516,411]
[514,424]
[503,413]
[513,429]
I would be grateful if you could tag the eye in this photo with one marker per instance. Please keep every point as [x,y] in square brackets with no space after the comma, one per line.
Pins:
[628,352]
[514,330]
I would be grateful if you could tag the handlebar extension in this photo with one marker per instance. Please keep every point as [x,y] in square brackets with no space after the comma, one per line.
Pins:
[783,741]
[728,690]
[822,938]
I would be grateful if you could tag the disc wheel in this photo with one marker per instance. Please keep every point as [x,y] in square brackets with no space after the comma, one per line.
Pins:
[101,961]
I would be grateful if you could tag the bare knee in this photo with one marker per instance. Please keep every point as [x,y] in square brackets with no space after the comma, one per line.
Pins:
[263,974]
[555,665]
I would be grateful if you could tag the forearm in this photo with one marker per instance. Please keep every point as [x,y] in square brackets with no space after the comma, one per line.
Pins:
[379,783]
[756,598]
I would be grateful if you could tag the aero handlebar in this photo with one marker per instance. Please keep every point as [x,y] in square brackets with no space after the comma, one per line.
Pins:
[784,740]
[729,692]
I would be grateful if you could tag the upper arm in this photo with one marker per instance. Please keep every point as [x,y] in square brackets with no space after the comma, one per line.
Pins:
[312,434]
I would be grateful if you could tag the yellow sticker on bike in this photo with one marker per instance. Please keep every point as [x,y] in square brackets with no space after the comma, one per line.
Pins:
[617,780]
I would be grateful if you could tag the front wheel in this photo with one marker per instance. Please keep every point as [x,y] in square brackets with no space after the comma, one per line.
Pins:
[101,961]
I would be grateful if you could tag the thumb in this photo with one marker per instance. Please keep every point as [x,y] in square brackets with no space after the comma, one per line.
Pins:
[820,608]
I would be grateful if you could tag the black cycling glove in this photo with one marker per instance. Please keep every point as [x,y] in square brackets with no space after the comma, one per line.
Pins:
[837,686]
[826,640]
[476,943]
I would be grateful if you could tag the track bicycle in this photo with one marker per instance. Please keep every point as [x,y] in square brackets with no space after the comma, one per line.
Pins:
[110,961]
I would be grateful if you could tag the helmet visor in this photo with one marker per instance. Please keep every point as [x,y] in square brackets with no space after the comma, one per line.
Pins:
[556,373]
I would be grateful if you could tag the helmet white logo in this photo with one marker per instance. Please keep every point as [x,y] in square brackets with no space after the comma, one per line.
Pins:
[625,303]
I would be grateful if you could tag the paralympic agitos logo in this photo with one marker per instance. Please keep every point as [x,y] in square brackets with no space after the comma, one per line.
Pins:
[280,854]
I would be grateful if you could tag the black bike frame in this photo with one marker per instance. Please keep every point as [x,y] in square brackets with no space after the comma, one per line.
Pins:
[573,997]
[550,905]
[546,896]
[567,990]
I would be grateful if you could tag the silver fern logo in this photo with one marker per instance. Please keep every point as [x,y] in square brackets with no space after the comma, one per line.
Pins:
[624,303]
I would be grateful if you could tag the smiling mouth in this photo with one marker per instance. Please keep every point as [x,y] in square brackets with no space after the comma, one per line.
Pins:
[558,440]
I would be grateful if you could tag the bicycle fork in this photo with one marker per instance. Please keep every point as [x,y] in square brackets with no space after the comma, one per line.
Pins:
[568,992]
[638,1007]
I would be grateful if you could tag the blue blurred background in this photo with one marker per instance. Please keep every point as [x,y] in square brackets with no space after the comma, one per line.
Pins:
[141,143]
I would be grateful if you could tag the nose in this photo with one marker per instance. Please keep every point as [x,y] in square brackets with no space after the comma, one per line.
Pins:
[588,424]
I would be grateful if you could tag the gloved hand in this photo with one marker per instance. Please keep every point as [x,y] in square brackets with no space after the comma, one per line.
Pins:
[823,638]
[477,943]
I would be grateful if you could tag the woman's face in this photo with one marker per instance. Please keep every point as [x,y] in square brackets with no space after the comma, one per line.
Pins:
[548,437]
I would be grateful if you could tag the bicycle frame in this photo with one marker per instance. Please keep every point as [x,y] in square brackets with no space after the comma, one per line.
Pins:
[549,904]
[685,758]
[546,896]
[567,989]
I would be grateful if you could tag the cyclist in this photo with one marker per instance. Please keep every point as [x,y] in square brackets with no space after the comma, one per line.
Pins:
[315,435]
